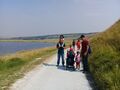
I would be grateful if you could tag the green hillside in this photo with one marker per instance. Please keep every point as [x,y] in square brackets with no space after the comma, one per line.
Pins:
[105,59]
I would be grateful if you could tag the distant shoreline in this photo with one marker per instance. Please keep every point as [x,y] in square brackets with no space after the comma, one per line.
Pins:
[9,47]
[24,40]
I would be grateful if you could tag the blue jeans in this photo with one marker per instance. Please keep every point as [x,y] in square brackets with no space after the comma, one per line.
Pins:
[85,63]
[58,60]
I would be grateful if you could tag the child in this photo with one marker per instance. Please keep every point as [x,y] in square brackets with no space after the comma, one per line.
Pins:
[77,60]
[70,57]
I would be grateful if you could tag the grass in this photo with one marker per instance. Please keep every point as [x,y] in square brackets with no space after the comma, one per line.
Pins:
[13,67]
[105,59]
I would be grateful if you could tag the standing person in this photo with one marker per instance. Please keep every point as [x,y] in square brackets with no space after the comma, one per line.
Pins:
[84,53]
[60,46]
[62,37]
[73,44]
[78,44]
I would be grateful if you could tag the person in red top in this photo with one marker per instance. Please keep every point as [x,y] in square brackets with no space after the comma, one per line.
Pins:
[78,44]
[84,53]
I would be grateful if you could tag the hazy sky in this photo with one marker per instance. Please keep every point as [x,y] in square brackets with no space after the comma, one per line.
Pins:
[41,17]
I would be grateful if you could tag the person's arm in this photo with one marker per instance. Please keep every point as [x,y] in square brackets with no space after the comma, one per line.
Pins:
[64,46]
[57,46]
[87,49]
[80,47]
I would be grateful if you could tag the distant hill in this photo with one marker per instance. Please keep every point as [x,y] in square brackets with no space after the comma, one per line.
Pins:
[72,35]
[105,58]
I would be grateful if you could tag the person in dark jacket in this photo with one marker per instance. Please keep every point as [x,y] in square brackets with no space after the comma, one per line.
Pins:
[60,46]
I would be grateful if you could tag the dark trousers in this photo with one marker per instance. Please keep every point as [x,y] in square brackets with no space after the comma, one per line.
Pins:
[62,56]
[85,63]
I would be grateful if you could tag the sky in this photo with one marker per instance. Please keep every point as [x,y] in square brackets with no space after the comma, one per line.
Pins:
[46,17]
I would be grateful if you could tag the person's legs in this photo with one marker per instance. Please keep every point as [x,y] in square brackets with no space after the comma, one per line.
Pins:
[62,59]
[76,65]
[83,62]
[86,63]
[79,66]
[67,61]
[58,60]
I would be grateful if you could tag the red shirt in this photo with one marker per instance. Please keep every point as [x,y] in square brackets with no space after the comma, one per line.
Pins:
[84,46]
[78,44]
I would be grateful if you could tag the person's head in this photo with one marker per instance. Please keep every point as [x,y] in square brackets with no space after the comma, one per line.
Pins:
[73,40]
[61,38]
[82,37]
[78,40]
[71,49]
[70,46]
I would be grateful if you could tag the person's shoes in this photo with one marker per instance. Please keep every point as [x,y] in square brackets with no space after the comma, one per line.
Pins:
[63,65]
[74,69]
[57,65]
[84,71]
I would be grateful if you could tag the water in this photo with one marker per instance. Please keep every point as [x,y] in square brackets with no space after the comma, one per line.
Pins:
[12,47]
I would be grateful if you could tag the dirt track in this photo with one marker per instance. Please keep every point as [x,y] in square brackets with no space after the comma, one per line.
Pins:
[49,77]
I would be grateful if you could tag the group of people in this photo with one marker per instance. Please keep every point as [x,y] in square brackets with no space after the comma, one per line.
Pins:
[77,52]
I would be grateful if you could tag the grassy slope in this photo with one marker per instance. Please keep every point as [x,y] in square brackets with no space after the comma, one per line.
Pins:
[14,66]
[105,59]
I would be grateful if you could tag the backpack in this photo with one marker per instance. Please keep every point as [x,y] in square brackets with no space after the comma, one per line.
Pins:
[89,50]
[71,54]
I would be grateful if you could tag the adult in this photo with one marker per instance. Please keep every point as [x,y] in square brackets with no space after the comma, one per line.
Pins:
[84,53]
[60,46]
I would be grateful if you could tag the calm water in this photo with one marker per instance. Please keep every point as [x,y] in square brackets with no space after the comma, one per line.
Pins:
[12,47]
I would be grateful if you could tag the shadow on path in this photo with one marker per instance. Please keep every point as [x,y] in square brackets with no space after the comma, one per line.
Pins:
[46,64]
[91,81]
[64,68]
[88,75]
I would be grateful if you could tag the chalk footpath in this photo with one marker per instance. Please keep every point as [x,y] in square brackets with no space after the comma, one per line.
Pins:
[49,77]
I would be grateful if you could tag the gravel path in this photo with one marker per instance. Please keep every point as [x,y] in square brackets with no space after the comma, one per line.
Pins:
[49,77]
